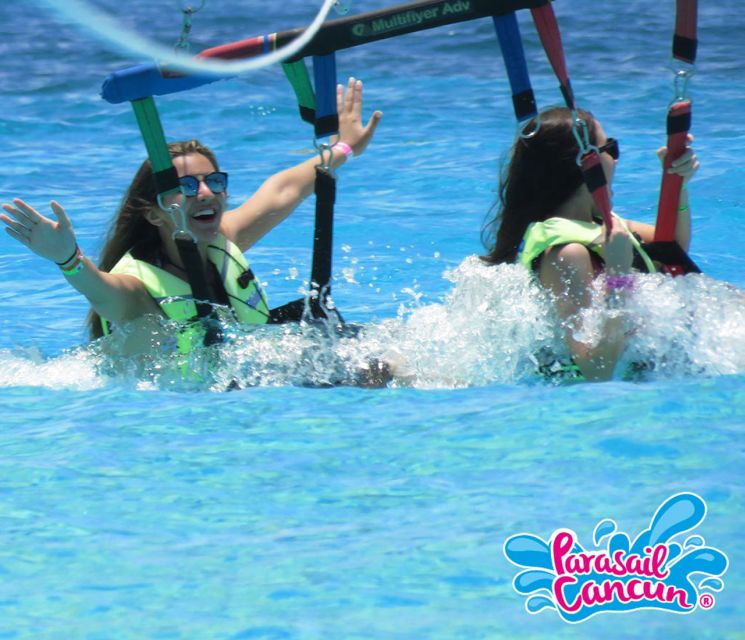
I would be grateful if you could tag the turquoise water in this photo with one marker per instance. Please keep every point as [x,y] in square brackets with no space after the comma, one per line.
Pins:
[134,506]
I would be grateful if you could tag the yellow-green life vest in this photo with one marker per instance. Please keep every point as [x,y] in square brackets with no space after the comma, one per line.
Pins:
[174,295]
[539,236]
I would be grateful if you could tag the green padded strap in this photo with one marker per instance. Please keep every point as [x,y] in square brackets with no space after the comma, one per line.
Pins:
[297,74]
[164,173]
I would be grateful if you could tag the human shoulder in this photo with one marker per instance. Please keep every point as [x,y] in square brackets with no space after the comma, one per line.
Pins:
[564,264]
[567,256]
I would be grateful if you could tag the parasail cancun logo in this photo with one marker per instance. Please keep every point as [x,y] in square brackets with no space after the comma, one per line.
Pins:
[653,572]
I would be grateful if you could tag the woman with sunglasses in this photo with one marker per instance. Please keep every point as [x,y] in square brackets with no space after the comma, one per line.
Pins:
[547,220]
[140,270]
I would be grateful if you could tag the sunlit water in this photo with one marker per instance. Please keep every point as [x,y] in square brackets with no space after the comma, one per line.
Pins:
[137,503]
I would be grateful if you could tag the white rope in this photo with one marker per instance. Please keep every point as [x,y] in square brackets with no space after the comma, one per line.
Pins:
[106,29]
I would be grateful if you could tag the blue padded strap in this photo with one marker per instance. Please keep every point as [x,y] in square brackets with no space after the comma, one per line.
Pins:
[324,76]
[511,44]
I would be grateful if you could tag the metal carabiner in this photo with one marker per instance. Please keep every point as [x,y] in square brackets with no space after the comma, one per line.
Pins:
[680,84]
[581,134]
[178,217]
[326,165]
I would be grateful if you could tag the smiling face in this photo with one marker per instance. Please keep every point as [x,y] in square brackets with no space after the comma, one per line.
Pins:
[203,211]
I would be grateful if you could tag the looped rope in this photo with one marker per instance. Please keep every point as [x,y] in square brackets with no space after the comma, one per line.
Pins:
[183,45]
[106,28]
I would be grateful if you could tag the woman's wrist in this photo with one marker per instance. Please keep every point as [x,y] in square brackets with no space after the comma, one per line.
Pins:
[71,257]
[683,201]
[74,265]
[342,147]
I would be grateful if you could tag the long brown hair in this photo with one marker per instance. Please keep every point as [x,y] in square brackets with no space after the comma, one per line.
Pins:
[130,230]
[541,175]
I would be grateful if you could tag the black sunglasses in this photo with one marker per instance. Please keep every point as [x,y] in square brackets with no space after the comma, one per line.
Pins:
[217,181]
[611,148]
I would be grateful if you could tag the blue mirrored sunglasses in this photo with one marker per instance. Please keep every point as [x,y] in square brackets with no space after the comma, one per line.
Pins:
[611,148]
[217,181]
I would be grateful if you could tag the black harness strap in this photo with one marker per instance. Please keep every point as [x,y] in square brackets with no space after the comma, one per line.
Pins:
[671,254]
[201,290]
[323,241]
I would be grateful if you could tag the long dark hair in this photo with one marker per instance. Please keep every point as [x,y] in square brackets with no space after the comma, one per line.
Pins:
[130,230]
[541,175]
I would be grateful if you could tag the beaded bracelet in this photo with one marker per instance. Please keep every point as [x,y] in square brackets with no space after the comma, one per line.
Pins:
[619,283]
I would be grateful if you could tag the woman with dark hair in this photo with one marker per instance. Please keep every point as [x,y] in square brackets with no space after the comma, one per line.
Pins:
[548,221]
[140,270]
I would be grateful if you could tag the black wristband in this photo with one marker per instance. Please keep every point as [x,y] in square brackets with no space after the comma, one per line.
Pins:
[74,253]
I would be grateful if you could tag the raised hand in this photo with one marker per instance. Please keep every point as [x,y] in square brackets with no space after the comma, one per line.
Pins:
[349,106]
[49,239]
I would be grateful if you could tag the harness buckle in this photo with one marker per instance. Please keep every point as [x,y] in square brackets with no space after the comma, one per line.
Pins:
[326,165]
[581,133]
[178,217]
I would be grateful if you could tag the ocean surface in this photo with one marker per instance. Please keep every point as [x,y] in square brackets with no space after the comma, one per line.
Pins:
[134,504]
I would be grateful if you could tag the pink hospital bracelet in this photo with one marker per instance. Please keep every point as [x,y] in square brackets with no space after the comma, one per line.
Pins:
[344,148]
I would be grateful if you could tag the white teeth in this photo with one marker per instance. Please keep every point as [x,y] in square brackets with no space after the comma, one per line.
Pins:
[204,212]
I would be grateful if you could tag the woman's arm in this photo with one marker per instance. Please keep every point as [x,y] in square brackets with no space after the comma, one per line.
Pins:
[118,298]
[284,191]
[684,166]
[567,272]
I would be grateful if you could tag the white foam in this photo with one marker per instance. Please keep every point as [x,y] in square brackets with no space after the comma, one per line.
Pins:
[491,327]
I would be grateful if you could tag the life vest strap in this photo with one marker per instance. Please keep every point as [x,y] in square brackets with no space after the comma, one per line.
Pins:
[202,292]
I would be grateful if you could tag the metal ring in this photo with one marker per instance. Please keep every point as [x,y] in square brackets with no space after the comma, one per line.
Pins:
[180,5]
[521,127]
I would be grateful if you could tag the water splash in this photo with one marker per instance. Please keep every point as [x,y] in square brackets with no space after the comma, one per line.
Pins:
[654,572]
[495,325]
[75,369]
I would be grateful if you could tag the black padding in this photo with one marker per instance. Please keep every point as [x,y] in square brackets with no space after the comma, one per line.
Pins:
[166,180]
[671,254]
[680,123]
[524,104]
[594,177]
[684,48]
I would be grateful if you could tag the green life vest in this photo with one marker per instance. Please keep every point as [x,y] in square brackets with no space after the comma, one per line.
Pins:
[174,295]
[539,236]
